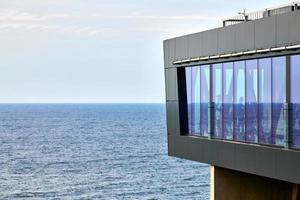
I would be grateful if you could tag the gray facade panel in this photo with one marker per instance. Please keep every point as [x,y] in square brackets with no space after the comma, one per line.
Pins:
[245,159]
[185,151]
[195,45]
[294,27]
[171,84]
[286,163]
[172,46]
[210,42]
[181,50]
[209,153]
[166,53]
[172,118]
[265,32]
[226,40]
[260,160]
[244,36]
[171,145]
[192,147]
[265,161]
[282,30]
[226,154]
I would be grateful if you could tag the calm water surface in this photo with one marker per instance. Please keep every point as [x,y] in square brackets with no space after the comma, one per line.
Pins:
[92,151]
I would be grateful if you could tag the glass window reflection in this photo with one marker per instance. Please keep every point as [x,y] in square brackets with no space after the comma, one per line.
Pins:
[265,100]
[193,99]
[295,100]
[278,99]
[251,101]
[239,101]
[217,99]
[204,99]
[228,100]
[248,97]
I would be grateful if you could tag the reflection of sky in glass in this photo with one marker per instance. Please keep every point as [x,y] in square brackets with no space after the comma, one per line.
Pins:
[239,100]
[195,85]
[265,80]
[217,83]
[205,84]
[239,74]
[251,101]
[295,75]
[217,98]
[265,108]
[188,76]
[228,100]
[278,99]
[278,80]
[295,99]
[193,99]
[205,79]
[196,100]
[251,78]
[228,82]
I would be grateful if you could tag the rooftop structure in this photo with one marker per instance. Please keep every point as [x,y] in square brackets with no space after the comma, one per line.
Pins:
[243,16]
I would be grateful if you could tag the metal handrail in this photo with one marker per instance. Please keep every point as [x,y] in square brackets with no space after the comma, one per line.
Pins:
[243,17]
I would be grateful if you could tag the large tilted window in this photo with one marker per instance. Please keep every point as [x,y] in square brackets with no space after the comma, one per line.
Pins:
[248,100]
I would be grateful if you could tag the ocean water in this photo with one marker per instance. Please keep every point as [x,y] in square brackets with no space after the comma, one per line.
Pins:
[92,151]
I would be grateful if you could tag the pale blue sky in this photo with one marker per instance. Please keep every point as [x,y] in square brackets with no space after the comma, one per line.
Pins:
[97,50]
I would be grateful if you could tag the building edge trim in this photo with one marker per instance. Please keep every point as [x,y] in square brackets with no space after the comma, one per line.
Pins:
[236,54]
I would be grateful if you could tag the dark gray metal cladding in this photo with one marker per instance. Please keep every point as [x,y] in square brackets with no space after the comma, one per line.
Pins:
[271,162]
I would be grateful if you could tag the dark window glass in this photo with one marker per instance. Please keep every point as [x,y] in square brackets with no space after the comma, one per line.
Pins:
[239,101]
[265,100]
[251,101]
[204,99]
[295,100]
[278,99]
[228,100]
[217,99]
[188,78]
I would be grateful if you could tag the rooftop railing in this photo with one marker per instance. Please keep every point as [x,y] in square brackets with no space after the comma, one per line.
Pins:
[244,17]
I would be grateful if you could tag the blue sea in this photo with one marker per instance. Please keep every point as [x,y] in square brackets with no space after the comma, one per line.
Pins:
[92,151]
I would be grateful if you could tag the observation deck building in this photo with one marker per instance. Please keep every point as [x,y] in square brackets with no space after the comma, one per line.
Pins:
[233,101]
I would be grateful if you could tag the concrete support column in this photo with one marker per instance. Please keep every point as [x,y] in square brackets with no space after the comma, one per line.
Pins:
[233,185]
